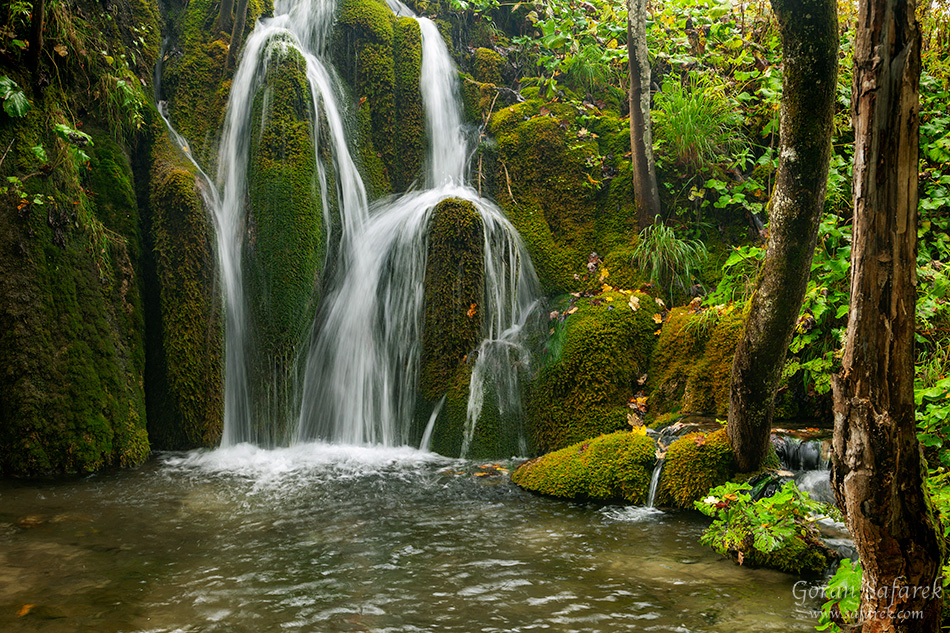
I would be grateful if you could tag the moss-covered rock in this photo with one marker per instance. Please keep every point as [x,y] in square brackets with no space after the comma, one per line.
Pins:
[285,243]
[379,57]
[454,291]
[598,349]
[692,363]
[698,462]
[185,383]
[197,80]
[487,66]
[71,335]
[614,467]
[410,137]
[695,464]
[557,181]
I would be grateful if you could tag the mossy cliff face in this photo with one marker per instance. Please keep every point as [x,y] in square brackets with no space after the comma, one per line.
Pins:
[692,362]
[285,244]
[184,379]
[71,334]
[196,80]
[599,348]
[555,171]
[614,467]
[379,56]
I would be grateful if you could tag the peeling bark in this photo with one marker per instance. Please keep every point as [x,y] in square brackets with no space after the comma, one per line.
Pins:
[809,34]
[876,463]
[645,191]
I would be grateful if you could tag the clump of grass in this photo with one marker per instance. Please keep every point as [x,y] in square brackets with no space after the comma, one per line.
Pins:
[669,260]
[696,124]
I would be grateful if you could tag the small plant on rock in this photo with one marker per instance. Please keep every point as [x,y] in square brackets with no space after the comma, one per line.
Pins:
[669,260]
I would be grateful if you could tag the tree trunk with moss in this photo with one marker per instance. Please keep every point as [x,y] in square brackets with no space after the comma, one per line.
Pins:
[876,463]
[645,190]
[237,33]
[224,16]
[810,54]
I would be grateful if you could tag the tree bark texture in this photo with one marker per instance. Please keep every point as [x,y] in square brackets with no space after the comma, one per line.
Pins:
[37,25]
[876,463]
[223,23]
[645,191]
[237,33]
[809,35]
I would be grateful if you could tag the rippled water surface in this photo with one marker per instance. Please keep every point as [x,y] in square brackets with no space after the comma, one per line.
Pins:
[324,539]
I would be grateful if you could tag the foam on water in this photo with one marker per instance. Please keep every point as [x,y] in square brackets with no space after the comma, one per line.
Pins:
[631,514]
[255,462]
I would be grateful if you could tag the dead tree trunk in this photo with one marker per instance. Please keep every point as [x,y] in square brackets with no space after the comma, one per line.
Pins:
[810,58]
[646,194]
[876,464]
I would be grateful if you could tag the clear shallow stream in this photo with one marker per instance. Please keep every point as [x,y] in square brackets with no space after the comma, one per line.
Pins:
[323,538]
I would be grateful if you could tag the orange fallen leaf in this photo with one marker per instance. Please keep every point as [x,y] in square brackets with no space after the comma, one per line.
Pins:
[24,610]
[472,310]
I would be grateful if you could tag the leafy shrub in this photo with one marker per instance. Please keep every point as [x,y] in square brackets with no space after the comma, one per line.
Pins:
[776,531]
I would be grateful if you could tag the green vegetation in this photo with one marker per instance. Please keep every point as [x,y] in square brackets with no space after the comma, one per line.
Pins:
[614,467]
[597,352]
[777,531]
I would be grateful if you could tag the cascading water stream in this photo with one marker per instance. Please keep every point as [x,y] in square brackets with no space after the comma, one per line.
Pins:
[300,25]
[358,385]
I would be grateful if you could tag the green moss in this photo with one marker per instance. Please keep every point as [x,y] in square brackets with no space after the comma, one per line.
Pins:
[614,467]
[557,184]
[197,84]
[487,66]
[454,291]
[285,242]
[594,359]
[364,54]
[185,323]
[695,463]
[692,362]
[71,336]
[803,554]
[411,129]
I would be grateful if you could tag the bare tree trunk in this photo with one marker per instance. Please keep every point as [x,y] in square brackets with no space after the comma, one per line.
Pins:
[237,33]
[37,24]
[876,464]
[223,23]
[645,191]
[809,34]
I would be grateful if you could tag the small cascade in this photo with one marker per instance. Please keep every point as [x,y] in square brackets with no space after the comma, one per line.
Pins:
[655,482]
[798,454]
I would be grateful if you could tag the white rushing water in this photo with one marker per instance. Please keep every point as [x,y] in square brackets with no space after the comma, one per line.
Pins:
[356,383]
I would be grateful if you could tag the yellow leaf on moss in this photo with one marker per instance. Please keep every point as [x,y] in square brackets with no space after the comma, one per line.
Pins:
[658,318]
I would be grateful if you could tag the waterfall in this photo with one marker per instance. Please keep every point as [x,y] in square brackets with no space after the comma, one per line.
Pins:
[353,378]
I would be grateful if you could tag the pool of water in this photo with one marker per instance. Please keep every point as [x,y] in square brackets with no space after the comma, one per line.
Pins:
[325,539]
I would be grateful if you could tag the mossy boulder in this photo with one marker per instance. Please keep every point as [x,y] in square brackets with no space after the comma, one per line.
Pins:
[285,241]
[380,58]
[695,464]
[559,183]
[698,462]
[185,383]
[692,363]
[487,66]
[615,467]
[454,291]
[598,349]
